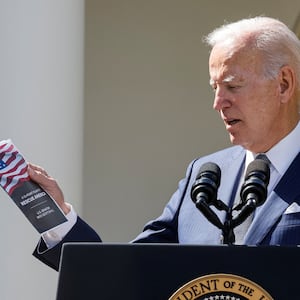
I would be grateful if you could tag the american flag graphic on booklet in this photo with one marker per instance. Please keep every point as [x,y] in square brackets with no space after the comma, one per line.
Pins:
[34,202]
[13,168]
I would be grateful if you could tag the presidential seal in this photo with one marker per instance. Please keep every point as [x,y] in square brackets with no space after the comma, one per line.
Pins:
[221,287]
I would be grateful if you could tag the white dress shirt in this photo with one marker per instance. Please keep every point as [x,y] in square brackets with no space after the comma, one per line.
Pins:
[281,156]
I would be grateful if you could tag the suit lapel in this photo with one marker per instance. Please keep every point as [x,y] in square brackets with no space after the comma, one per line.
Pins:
[190,218]
[285,193]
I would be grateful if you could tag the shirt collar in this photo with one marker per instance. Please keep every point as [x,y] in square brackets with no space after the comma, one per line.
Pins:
[283,153]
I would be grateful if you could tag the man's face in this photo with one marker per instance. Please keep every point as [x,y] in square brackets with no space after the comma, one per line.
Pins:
[248,103]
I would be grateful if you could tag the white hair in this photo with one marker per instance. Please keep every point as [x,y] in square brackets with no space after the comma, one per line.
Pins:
[279,45]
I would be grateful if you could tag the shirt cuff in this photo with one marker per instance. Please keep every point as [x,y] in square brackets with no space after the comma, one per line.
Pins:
[53,236]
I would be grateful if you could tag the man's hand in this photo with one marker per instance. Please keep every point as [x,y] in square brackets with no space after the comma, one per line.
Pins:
[49,184]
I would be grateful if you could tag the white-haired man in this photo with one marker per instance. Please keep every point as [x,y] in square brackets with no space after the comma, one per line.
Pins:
[254,70]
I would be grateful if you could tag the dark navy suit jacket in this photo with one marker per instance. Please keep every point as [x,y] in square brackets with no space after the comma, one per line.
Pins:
[181,221]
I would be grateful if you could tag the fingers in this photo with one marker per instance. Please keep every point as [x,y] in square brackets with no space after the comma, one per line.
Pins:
[49,184]
[38,169]
[40,176]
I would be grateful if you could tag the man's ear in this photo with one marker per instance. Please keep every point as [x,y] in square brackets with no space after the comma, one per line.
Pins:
[287,83]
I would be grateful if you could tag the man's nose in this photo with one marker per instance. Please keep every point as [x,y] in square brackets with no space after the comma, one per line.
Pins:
[221,99]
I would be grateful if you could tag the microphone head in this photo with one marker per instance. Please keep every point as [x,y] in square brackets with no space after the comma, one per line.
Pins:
[259,167]
[210,170]
[207,182]
[256,181]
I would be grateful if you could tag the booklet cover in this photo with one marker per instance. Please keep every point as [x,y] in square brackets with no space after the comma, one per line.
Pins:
[38,207]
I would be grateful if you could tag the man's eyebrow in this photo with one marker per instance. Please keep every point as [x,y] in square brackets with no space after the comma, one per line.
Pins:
[227,79]
[212,82]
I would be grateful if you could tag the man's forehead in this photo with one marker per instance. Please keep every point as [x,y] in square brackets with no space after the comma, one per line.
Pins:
[227,65]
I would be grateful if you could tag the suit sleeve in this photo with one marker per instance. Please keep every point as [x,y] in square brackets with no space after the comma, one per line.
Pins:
[81,232]
[162,230]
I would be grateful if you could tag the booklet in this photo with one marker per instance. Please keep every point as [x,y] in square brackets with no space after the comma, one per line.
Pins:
[38,207]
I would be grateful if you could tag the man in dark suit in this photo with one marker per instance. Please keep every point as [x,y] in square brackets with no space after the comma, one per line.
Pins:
[254,70]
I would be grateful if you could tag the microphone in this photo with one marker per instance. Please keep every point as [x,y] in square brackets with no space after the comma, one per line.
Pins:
[254,190]
[204,191]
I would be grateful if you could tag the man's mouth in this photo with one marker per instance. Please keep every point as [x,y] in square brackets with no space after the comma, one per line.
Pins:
[231,122]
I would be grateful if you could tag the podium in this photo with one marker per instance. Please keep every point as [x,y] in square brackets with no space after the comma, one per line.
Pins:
[178,272]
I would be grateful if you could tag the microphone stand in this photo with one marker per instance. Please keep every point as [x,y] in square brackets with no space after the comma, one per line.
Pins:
[230,223]
[253,194]
[228,233]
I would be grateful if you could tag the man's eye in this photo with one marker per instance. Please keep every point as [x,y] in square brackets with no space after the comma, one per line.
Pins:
[233,87]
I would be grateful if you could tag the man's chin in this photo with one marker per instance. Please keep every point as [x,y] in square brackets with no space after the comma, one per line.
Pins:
[236,141]
[233,139]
